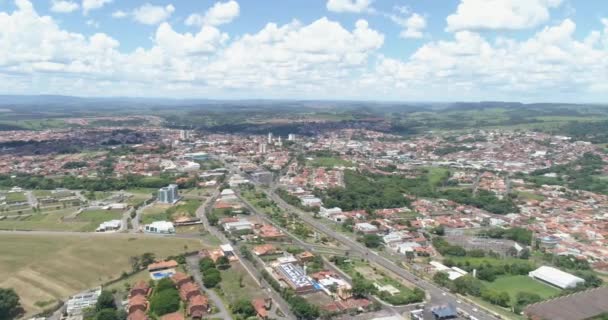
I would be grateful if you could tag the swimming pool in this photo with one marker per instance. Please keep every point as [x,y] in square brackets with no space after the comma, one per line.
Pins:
[162,274]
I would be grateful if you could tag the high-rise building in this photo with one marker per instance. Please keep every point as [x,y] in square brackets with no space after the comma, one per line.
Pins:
[269,137]
[184,135]
[291,137]
[262,148]
[168,194]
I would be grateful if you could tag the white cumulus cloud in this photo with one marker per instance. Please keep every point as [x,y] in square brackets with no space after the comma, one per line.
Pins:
[119,14]
[220,13]
[62,6]
[500,14]
[355,6]
[89,5]
[413,26]
[151,14]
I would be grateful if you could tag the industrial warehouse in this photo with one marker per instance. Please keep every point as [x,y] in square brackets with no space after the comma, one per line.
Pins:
[556,277]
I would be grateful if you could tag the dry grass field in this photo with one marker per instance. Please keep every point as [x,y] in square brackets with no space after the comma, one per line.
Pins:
[44,268]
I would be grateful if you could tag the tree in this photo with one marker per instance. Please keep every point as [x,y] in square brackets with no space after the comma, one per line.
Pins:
[244,308]
[106,314]
[164,284]
[302,309]
[211,278]
[362,287]
[372,240]
[147,259]
[105,301]
[441,278]
[165,301]
[523,299]
[10,306]
[206,264]
[223,263]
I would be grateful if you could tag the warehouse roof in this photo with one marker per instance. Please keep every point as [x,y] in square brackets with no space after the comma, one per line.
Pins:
[556,277]
[577,306]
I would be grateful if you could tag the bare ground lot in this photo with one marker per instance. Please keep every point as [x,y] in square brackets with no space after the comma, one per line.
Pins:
[43,268]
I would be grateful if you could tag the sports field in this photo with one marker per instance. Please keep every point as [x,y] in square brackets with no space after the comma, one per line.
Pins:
[43,268]
[515,284]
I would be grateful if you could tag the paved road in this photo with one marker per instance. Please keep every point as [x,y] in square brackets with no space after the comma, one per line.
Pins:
[193,269]
[252,270]
[438,295]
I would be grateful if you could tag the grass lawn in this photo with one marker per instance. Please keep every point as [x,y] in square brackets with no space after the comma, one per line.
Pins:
[436,174]
[49,267]
[237,284]
[329,162]
[16,197]
[95,217]
[43,193]
[155,212]
[515,284]
[50,221]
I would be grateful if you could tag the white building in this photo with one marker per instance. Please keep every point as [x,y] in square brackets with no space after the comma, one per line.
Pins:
[111,225]
[453,273]
[405,247]
[311,201]
[326,213]
[556,277]
[163,227]
[241,225]
[366,227]
[77,303]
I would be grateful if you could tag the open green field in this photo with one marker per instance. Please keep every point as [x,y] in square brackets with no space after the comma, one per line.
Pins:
[515,284]
[237,284]
[155,212]
[329,162]
[16,197]
[48,267]
[437,174]
[55,220]
[139,195]
[93,218]
[51,221]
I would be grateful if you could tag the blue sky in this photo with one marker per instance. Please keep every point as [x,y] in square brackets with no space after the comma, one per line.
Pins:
[431,50]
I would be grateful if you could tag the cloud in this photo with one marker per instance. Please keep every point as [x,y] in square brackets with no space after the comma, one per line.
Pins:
[206,41]
[151,15]
[61,6]
[89,5]
[354,6]
[550,61]
[413,25]
[220,13]
[321,59]
[500,14]
[119,14]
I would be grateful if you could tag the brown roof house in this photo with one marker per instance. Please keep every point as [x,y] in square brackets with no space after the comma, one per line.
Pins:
[197,306]
[140,288]
[180,278]
[137,315]
[188,290]
[138,302]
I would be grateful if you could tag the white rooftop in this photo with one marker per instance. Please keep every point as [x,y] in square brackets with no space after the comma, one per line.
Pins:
[556,277]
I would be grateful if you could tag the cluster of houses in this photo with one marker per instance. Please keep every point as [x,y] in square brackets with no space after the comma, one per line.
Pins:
[138,304]
[290,271]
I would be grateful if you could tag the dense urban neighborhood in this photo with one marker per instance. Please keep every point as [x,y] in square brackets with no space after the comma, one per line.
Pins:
[348,222]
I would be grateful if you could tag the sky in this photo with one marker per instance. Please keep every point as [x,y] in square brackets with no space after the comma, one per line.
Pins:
[397,50]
